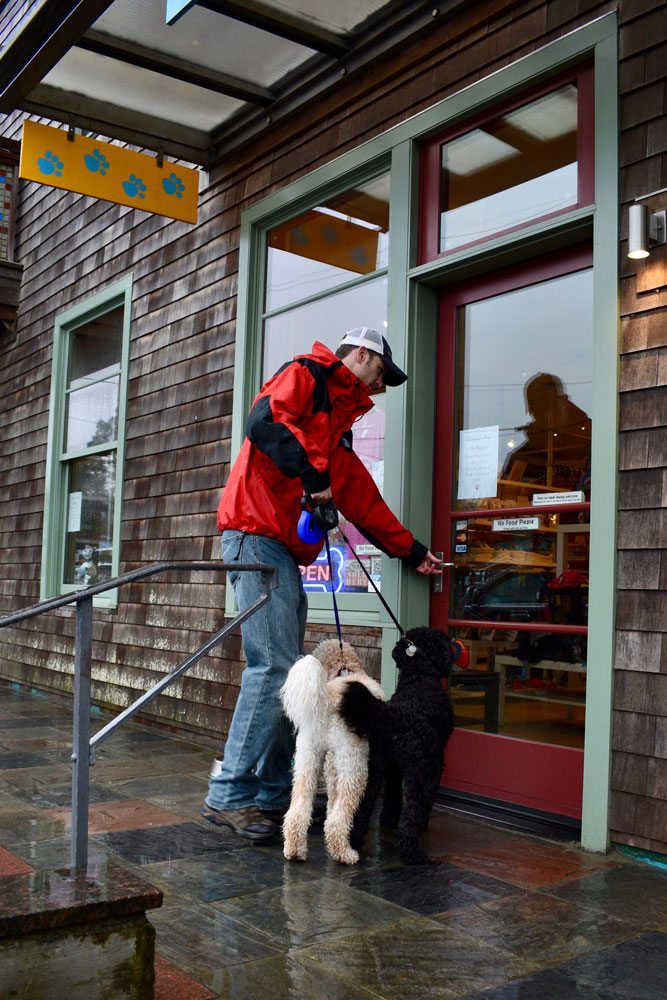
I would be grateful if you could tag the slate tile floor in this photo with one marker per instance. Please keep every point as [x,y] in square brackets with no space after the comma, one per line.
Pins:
[501,915]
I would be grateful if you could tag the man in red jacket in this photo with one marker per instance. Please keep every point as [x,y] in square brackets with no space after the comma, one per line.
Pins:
[299,440]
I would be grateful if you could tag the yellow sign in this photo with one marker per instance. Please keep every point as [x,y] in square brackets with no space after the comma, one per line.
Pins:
[112,173]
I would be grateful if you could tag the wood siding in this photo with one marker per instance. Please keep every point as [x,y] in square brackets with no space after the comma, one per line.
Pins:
[639,743]
[181,375]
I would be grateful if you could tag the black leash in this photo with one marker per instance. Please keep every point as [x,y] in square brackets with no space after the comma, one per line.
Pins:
[372,583]
[411,649]
[326,517]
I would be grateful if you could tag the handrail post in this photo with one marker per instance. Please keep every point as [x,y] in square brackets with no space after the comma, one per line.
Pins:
[81,732]
[82,747]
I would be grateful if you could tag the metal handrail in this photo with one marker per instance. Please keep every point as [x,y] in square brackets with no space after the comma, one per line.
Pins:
[83,747]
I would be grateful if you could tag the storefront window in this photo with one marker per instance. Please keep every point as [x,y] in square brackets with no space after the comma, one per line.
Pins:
[521,574]
[91,420]
[326,273]
[517,167]
[519,520]
[90,509]
[514,167]
[333,243]
[326,319]
[93,382]
[525,375]
[86,443]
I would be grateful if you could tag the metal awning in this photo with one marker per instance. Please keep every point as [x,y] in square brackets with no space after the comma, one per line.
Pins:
[204,85]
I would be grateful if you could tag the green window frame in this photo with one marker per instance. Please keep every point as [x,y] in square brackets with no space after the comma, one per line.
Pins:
[355,608]
[65,458]
[411,316]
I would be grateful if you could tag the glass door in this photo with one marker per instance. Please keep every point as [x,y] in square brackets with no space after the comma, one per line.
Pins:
[513,447]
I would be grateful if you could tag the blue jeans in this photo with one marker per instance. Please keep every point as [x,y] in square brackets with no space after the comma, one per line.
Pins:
[256,768]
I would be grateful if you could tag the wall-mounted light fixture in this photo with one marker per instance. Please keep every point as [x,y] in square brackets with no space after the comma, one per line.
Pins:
[646,229]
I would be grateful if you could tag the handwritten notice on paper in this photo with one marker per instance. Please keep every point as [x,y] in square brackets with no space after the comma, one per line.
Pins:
[478,463]
[74,513]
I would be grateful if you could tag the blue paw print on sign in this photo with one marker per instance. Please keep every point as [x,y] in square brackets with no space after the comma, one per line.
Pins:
[97,162]
[173,185]
[134,187]
[50,164]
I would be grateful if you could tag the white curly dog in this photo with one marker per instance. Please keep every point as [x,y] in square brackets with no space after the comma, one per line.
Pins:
[310,696]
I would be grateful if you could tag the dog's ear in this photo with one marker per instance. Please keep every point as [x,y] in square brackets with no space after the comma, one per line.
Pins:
[433,645]
[405,649]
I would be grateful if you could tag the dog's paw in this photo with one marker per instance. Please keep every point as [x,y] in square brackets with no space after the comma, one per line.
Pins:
[347,856]
[295,853]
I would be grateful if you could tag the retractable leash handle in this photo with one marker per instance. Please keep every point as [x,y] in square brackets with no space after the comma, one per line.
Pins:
[316,519]
[315,523]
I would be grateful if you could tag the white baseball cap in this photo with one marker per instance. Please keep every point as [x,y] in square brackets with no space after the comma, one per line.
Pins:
[365,336]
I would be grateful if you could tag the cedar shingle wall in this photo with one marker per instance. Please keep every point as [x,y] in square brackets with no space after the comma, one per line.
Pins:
[182,357]
[639,773]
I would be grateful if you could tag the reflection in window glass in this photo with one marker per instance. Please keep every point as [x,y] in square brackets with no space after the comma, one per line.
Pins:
[523,574]
[342,242]
[532,683]
[525,397]
[90,510]
[514,168]
[523,440]
[92,415]
[326,319]
[93,382]
[335,242]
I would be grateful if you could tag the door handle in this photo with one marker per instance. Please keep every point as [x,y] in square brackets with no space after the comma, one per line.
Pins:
[437,580]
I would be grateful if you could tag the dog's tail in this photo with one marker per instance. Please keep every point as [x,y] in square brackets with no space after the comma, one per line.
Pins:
[304,693]
[362,712]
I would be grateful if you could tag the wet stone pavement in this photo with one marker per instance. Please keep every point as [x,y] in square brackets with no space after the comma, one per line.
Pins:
[502,915]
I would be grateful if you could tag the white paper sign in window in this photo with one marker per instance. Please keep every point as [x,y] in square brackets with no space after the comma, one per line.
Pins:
[74,513]
[478,463]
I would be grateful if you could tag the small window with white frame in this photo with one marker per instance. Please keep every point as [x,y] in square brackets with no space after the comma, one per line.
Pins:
[86,443]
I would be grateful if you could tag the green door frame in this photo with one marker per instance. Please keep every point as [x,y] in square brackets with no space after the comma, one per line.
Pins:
[412,318]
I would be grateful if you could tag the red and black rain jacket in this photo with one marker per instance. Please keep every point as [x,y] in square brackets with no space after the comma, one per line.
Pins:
[299,439]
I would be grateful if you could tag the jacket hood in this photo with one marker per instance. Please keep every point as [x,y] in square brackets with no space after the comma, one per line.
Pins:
[351,395]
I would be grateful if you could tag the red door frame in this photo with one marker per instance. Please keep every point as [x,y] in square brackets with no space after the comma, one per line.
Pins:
[430,180]
[539,776]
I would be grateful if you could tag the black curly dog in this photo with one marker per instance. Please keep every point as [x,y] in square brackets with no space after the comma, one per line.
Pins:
[407,737]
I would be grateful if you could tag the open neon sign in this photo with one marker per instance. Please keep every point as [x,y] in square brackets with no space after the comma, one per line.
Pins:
[316,577]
